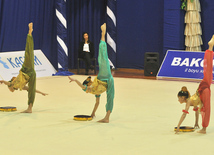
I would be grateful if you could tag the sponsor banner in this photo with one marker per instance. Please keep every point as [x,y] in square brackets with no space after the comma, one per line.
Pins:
[11,63]
[182,64]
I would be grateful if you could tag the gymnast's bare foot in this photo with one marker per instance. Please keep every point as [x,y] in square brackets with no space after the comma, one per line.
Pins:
[103,28]
[29,109]
[211,42]
[203,131]
[104,120]
[30,25]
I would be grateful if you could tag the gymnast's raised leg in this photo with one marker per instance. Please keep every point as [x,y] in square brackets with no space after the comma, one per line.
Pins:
[28,68]
[105,75]
[204,87]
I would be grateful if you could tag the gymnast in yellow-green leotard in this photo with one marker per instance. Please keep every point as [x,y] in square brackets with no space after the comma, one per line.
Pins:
[27,74]
[103,82]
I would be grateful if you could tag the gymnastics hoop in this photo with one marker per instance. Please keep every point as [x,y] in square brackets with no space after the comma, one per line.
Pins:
[82,118]
[185,129]
[8,109]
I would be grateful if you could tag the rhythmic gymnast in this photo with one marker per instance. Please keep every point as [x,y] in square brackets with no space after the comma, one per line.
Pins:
[201,99]
[27,74]
[103,82]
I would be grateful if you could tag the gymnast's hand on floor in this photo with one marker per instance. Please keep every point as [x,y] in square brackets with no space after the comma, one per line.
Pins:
[177,131]
[196,126]
[93,115]
[1,81]
[71,79]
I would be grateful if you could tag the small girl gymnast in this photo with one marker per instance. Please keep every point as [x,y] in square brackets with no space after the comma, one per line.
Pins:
[103,82]
[27,73]
[201,99]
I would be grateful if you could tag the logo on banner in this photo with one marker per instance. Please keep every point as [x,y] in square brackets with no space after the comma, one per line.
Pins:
[4,64]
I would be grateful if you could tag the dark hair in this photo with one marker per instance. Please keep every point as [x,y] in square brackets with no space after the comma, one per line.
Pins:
[184,92]
[83,39]
[87,81]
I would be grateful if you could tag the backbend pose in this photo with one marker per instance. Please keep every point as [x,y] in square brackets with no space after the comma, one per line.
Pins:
[27,74]
[202,96]
[103,82]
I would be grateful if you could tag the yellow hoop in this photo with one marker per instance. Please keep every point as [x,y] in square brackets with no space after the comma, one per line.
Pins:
[8,109]
[82,118]
[185,129]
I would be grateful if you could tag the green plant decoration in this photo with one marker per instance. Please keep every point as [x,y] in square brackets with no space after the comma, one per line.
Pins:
[184,4]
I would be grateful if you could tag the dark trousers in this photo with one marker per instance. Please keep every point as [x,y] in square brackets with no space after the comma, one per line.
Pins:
[87,59]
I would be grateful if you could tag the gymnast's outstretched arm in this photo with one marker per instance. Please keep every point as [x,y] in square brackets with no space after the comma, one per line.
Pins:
[95,107]
[37,91]
[9,84]
[78,83]
[196,126]
[86,89]
[24,88]
[183,116]
[5,82]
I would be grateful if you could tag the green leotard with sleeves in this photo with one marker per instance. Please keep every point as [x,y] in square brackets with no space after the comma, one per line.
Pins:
[28,68]
[105,74]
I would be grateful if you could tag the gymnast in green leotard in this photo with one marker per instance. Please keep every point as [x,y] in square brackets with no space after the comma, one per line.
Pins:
[103,82]
[27,74]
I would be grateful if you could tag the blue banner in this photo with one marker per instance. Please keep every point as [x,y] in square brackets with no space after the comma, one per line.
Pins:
[182,64]
[11,63]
